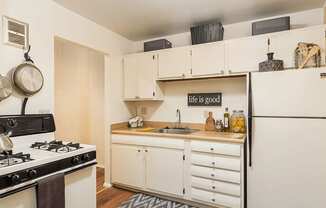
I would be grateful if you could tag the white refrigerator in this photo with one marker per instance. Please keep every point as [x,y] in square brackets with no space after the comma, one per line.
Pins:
[287,139]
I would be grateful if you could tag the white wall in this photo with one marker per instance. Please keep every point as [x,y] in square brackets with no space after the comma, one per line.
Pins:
[243,29]
[233,96]
[41,24]
[48,19]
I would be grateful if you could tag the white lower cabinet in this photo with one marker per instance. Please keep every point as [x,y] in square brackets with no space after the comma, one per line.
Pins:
[216,171]
[164,170]
[215,174]
[228,163]
[205,172]
[128,165]
[216,186]
[216,198]
[148,166]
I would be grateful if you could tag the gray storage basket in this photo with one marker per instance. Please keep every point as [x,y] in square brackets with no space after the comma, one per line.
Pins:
[206,33]
[271,25]
[157,45]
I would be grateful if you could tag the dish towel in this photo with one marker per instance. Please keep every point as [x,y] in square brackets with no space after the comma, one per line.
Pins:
[51,192]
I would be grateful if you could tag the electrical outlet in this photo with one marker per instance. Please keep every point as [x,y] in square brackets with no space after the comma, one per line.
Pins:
[206,114]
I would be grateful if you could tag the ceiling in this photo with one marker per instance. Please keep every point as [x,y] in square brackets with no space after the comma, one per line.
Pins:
[144,19]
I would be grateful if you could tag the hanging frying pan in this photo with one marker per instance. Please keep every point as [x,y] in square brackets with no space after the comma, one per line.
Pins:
[5,88]
[27,79]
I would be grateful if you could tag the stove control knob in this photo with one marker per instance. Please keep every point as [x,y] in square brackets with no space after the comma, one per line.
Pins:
[12,123]
[15,179]
[75,160]
[32,173]
[86,157]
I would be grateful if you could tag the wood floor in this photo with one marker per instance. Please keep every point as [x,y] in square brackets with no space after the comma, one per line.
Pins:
[108,197]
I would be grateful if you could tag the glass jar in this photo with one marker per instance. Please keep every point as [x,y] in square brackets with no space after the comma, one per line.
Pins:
[238,122]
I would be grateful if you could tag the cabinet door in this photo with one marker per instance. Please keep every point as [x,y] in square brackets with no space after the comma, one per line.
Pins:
[208,59]
[128,165]
[245,54]
[147,71]
[164,170]
[130,76]
[174,63]
[283,44]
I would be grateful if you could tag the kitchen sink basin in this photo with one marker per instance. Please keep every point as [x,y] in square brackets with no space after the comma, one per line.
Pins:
[175,130]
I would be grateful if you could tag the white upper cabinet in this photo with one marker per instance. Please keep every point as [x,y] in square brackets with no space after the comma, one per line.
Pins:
[140,74]
[245,54]
[147,72]
[208,59]
[283,44]
[130,76]
[174,63]
[236,56]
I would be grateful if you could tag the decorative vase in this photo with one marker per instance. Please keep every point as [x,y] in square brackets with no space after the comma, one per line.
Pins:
[270,64]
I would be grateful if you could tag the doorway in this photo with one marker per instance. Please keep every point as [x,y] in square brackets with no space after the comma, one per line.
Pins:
[80,95]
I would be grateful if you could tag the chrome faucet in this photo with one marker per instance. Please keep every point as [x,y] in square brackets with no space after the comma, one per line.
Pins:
[179,119]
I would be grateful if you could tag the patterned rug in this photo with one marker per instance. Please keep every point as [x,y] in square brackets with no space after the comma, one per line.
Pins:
[146,201]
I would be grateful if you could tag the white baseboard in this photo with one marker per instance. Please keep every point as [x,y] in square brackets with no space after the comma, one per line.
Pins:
[100,166]
[107,185]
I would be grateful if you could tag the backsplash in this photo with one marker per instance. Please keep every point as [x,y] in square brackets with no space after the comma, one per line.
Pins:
[175,97]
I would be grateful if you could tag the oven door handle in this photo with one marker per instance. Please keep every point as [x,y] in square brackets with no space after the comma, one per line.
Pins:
[250,119]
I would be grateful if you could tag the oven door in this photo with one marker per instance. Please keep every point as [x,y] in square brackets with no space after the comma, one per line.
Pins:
[22,199]
[80,191]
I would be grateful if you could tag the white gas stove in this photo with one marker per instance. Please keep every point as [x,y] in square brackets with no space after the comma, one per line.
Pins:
[37,155]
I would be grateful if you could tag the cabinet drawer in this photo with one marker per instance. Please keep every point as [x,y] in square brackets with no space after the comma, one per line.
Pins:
[229,163]
[215,198]
[217,148]
[215,174]
[215,186]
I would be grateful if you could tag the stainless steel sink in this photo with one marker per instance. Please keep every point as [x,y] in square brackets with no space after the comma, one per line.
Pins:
[175,130]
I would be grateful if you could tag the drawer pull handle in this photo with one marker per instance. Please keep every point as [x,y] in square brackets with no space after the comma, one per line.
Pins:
[146,150]
[212,149]
[138,150]
[213,200]
[213,187]
[213,175]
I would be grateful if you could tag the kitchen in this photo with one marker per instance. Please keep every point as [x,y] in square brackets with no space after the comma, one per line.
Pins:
[271,164]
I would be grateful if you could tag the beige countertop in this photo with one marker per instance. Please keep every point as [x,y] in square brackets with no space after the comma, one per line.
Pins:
[198,135]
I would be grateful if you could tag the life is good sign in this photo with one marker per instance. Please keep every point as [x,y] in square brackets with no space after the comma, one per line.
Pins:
[205,99]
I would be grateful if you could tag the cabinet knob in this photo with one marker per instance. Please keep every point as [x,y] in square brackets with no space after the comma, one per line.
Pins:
[230,71]
[212,149]
[213,175]
[213,187]
[138,150]
[222,71]
[213,200]
[213,163]
[146,150]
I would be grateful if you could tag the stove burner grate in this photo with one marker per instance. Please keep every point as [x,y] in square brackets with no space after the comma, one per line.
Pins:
[9,159]
[56,146]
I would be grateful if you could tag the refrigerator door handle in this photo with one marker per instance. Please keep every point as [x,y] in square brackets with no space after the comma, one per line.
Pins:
[250,119]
